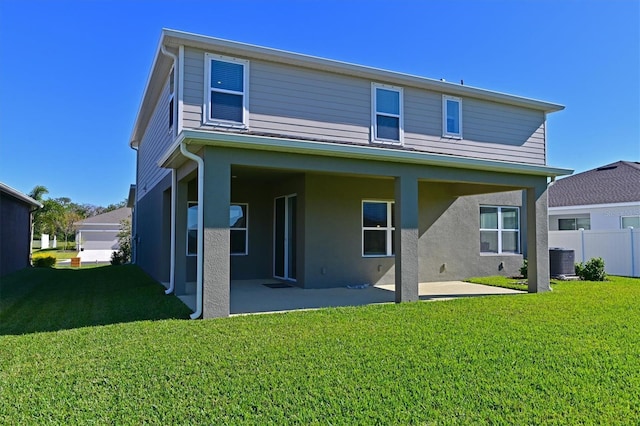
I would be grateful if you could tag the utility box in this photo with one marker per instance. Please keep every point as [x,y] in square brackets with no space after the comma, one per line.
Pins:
[561,262]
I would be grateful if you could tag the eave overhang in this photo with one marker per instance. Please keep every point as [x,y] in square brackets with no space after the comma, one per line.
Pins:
[172,158]
[19,195]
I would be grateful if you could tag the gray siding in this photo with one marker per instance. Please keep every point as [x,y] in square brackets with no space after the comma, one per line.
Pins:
[157,139]
[305,103]
[15,233]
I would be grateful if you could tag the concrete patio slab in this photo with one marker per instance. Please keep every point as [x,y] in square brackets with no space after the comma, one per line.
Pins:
[252,296]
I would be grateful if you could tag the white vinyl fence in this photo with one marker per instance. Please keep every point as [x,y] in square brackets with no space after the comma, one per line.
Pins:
[619,248]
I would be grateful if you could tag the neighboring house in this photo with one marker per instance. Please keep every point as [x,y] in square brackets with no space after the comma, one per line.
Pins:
[100,232]
[16,211]
[592,212]
[604,198]
[255,163]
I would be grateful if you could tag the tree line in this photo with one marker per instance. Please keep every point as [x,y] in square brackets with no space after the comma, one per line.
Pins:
[58,215]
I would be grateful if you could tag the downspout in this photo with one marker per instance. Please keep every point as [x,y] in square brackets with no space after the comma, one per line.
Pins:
[134,227]
[174,196]
[200,249]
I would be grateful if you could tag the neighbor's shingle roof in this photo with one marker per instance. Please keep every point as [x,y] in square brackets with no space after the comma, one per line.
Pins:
[617,182]
[114,216]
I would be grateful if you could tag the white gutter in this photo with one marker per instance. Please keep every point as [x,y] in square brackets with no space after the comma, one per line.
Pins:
[200,257]
[365,152]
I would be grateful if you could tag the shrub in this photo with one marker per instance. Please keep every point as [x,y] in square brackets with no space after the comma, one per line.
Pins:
[44,262]
[523,268]
[117,258]
[592,270]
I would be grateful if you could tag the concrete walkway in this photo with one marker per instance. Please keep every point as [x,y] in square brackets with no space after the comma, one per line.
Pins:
[252,296]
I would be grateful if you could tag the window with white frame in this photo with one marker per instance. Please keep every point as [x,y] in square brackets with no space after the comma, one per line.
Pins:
[171,98]
[239,224]
[499,229]
[378,228]
[226,81]
[630,221]
[574,223]
[451,117]
[387,116]
[192,228]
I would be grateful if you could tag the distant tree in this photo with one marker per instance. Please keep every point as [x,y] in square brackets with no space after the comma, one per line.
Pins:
[115,206]
[123,255]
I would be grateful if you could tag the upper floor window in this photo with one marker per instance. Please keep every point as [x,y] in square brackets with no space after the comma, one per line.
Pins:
[573,224]
[378,228]
[226,90]
[386,113]
[630,221]
[451,117]
[499,229]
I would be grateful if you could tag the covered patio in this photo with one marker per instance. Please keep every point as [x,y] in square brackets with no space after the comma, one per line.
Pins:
[253,296]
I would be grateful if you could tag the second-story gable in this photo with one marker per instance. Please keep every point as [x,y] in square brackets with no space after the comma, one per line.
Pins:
[292,101]
[228,86]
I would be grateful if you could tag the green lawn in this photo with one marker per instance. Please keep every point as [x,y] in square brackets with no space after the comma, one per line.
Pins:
[58,254]
[105,346]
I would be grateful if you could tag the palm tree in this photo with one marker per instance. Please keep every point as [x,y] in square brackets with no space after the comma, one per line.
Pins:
[36,193]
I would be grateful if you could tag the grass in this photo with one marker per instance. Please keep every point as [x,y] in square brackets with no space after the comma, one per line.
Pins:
[57,253]
[110,348]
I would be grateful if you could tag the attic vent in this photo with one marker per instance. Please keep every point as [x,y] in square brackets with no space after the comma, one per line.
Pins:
[606,168]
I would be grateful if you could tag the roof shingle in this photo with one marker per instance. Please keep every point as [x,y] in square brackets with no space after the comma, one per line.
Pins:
[617,182]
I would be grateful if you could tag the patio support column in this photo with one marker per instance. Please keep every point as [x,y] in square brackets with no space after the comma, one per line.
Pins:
[406,238]
[180,253]
[215,205]
[537,238]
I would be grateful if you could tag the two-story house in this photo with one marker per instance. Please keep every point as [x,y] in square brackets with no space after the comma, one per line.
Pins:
[256,163]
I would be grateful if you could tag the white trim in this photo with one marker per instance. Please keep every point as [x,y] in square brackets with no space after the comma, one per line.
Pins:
[445,132]
[180,89]
[591,206]
[245,229]
[389,228]
[206,106]
[331,149]
[499,230]
[375,113]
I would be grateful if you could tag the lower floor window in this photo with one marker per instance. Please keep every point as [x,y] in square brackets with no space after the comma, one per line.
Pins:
[499,229]
[630,221]
[238,224]
[378,228]
[573,224]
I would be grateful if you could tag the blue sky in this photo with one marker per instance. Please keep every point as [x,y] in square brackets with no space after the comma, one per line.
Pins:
[72,72]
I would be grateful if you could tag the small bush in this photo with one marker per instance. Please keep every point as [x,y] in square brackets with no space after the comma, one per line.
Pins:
[592,270]
[117,258]
[523,268]
[44,262]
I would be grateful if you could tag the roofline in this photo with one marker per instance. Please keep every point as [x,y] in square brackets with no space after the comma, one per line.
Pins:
[351,69]
[176,38]
[19,195]
[591,206]
[364,152]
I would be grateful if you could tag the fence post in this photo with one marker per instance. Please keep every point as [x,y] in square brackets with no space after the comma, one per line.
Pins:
[633,255]
[582,242]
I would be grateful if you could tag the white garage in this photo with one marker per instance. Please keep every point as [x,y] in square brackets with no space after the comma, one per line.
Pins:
[100,233]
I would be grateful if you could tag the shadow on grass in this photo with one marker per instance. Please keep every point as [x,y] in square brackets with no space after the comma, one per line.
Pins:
[44,299]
